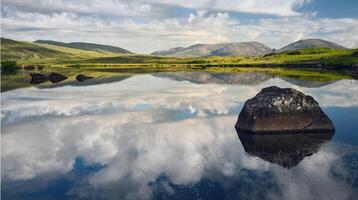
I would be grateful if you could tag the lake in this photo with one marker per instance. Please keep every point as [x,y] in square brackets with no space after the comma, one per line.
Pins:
[168,136]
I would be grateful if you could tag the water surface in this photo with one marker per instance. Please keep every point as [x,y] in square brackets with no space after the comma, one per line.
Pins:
[168,136]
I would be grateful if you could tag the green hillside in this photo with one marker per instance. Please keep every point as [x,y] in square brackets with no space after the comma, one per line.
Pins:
[36,53]
[86,46]
[15,50]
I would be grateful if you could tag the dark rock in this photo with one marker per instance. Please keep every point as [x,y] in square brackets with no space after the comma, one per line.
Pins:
[37,78]
[29,67]
[56,77]
[286,150]
[276,110]
[355,54]
[82,77]
[355,71]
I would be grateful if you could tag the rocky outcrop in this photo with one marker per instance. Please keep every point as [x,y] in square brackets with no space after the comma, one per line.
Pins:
[277,110]
[82,77]
[286,150]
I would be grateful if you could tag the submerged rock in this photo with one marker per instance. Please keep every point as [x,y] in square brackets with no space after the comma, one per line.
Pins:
[277,110]
[286,150]
[56,77]
[82,77]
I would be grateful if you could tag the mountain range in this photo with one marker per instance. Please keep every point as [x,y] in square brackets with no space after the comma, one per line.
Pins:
[242,48]
[223,49]
[43,49]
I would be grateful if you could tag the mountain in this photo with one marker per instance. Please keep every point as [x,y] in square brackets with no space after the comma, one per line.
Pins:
[310,43]
[86,46]
[16,50]
[223,49]
[196,50]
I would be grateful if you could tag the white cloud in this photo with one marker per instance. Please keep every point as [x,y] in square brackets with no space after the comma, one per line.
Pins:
[144,35]
[100,7]
[142,7]
[274,7]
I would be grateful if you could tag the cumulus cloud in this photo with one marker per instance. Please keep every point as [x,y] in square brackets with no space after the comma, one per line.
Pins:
[142,7]
[147,26]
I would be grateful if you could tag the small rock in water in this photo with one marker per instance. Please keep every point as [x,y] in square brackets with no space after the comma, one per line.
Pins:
[37,78]
[282,110]
[82,77]
[355,71]
[56,77]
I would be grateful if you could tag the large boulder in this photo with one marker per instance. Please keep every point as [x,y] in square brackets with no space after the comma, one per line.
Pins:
[282,110]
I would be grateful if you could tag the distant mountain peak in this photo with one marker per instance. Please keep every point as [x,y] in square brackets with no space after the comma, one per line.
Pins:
[311,43]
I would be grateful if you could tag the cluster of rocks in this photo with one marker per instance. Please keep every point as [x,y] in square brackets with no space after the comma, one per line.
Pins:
[53,77]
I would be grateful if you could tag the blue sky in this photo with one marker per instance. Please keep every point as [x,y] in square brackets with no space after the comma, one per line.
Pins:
[144,26]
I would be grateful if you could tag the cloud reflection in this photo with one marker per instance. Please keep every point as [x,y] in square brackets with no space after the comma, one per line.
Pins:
[146,127]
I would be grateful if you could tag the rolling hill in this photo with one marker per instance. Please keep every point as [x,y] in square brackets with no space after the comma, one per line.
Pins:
[86,46]
[16,50]
[33,52]
[310,43]
[223,49]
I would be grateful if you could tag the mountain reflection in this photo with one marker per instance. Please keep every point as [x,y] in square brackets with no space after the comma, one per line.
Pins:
[242,78]
[286,150]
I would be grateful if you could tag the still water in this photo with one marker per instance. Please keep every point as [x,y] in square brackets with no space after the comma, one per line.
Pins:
[169,136]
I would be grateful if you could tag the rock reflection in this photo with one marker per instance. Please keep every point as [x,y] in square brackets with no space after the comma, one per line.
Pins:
[286,150]
[38,78]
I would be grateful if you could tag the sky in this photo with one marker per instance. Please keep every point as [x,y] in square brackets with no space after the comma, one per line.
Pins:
[144,26]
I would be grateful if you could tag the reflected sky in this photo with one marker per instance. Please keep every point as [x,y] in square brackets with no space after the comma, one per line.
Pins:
[155,136]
